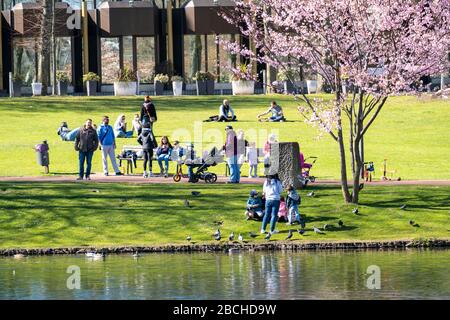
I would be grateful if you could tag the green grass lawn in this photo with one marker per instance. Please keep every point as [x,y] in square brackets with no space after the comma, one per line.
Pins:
[412,134]
[36,215]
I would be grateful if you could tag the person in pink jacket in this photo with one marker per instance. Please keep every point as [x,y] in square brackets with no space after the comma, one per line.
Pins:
[231,152]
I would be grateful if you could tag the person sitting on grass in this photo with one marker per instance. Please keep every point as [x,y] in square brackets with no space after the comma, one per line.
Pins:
[137,125]
[254,207]
[276,111]
[226,113]
[163,152]
[120,128]
[65,133]
[292,202]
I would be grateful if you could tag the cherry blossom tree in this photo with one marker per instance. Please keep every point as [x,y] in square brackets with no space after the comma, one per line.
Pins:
[365,50]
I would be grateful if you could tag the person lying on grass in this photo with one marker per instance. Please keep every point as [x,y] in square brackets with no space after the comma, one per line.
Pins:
[276,111]
[65,133]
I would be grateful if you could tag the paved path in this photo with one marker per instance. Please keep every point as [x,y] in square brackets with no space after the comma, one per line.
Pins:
[221,180]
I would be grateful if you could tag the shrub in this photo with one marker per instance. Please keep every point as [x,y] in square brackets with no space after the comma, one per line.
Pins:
[17,78]
[204,76]
[177,78]
[62,76]
[243,72]
[91,76]
[126,75]
[162,77]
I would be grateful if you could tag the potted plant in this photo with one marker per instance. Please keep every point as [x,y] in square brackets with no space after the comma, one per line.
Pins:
[177,85]
[36,88]
[62,82]
[204,82]
[286,77]
[91,79]
[126,84]
[240,82]
[17,81]
[160,80]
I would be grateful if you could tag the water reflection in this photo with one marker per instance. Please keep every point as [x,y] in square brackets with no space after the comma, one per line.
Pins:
[268,275]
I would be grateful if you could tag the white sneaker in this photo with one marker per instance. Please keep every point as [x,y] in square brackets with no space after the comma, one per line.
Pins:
[263,231]
[275,231]
[145,175]
[150,174]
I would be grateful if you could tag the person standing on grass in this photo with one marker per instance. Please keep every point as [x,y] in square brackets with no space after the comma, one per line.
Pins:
[148,112]
[231,152]
[86,142]
[107,143]
[148,142]
[272,190]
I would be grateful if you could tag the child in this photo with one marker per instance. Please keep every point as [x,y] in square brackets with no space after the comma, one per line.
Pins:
[293,201]
[148,142]
[177,151]
[254,206]
[282,212]
[252,158]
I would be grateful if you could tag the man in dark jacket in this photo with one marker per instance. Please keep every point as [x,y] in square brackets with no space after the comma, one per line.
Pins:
[148,112]
[86,142]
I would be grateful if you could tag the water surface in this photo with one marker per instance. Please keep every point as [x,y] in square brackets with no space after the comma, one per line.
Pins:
[408,274]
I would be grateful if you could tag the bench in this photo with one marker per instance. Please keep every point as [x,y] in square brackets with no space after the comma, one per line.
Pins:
[130,160]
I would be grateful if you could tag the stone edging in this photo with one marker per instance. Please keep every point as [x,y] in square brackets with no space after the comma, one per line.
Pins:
[235,247]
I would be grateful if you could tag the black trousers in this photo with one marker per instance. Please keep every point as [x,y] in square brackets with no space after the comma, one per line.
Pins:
[148,158]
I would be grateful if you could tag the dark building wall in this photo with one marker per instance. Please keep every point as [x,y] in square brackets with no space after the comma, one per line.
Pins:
[6,47]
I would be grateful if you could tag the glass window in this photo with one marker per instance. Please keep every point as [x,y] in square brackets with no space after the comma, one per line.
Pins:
[64,55]
[24,52]
[127,52]
[193,55]
[145,47]
[110,60]
[211,45]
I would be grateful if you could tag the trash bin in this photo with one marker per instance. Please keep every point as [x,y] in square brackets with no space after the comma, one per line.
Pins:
[42,155]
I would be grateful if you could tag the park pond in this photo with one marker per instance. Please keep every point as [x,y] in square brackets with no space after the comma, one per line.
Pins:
[403,274]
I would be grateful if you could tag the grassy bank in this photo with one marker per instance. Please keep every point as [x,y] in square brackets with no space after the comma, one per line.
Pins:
[37,215]
[412,134]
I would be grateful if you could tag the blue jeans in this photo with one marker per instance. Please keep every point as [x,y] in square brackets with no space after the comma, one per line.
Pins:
[71,135]
[165,158]
[235,172]
[276,118]
[85,156]
[272,207]
[121,134]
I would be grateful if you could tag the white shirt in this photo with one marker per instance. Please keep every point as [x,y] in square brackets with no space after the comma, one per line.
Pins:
[273,189]
[252,155]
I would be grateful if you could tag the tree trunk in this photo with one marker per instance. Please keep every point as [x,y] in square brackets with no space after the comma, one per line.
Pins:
[357,152]
[45,45]
[196,46]
[344,181]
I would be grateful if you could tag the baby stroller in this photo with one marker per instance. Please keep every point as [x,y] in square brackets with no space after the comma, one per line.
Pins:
[211,158]
[305,175]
